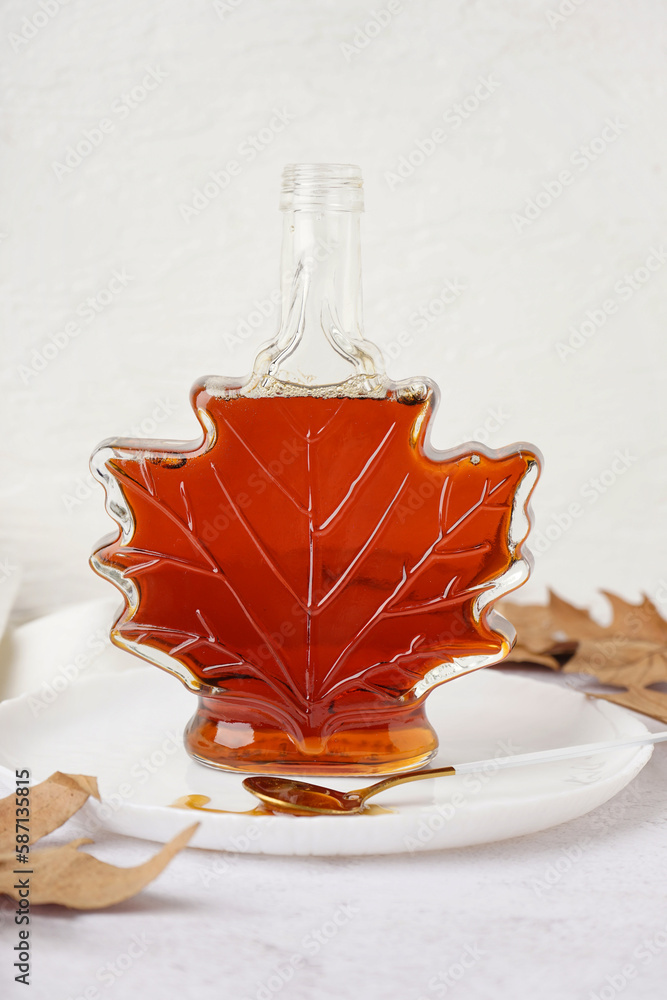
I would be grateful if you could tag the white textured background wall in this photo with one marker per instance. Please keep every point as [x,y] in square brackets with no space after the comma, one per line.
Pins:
[583,91]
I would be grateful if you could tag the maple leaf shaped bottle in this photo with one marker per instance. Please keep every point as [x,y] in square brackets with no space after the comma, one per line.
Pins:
[310,567]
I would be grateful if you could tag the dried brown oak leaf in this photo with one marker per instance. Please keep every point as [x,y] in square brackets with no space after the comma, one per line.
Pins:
[52,803]
[629,653]
[64,874]
[72,878]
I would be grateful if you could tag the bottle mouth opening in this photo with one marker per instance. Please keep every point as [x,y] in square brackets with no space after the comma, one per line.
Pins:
[313,187]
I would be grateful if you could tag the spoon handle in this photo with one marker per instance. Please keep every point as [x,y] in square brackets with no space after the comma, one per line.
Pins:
[399,779]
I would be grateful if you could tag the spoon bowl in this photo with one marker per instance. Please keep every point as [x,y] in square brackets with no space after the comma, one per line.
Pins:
[287,795]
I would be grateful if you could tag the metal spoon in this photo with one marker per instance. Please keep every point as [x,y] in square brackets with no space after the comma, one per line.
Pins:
[289,795]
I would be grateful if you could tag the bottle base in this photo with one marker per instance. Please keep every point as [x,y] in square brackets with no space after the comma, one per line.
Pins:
[385,748]
[307,769]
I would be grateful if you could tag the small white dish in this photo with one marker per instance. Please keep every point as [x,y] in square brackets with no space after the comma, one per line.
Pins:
[126,729]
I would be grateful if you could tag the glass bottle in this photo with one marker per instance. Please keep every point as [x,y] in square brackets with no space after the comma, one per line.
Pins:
[311,567]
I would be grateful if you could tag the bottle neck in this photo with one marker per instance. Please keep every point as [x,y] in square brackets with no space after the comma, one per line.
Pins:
[320,342]
[323,249]
[321,315]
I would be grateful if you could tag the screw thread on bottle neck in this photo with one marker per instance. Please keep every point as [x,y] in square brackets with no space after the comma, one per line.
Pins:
[317,187]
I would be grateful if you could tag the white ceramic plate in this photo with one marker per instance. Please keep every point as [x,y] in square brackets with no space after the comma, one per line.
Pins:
[126,729]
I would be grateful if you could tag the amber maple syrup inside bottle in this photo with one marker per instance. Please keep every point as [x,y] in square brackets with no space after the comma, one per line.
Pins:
[311,567]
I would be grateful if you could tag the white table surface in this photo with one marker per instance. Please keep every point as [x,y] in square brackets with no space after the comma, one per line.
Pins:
[576,911]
